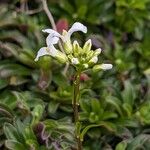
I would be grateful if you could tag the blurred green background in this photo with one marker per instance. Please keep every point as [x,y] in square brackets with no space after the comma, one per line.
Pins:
[35,97]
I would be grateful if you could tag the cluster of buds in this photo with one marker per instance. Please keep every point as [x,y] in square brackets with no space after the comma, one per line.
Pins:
[80,57]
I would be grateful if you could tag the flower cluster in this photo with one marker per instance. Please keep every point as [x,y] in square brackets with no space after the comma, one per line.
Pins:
[80,57]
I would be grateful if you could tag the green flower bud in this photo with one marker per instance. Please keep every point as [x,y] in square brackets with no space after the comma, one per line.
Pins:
[85,66]
[68,47]
[67,43]
[89,54]
[97,51]
[93,60]
[76,49]
[99,67]
[87,46]
[61,57]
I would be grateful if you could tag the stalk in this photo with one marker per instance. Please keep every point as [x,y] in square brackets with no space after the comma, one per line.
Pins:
[76,94]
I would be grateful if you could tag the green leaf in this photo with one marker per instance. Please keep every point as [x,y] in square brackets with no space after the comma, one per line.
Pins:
[85,106]
[52,107]
[96,108]
[37,114]
[65,4]
[138,141]
[128,93]
[116,103]
[128,109]
[6,110]
[11,132]
[82,11]
[111,127]
[109,115]
[3,83]
[7,70]
[14,145]
[121,146]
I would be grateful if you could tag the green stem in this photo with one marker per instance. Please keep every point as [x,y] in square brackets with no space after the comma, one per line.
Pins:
[76,95]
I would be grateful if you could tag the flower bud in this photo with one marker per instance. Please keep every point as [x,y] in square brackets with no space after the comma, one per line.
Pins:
[93,60]
[74,61]
[67,43]
[68,47]
[61,57]
[89,54]
[87,46]
[102,67]
[97,51]
[106,66]
[85,66]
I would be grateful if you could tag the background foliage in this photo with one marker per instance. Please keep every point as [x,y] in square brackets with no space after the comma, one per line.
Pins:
[35,98]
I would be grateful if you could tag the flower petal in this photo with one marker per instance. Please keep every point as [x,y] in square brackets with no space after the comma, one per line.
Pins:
[50,40]
[52,32]
[52,51]
[77,26]
[43,51]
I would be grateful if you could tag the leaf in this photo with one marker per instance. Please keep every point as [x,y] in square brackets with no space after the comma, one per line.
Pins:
[52,107]
[5,119]
[128,93]
[6,110]
[111,127]
[8,100]
[138,141]
[85,106]
[7,70]
[14,145]
[96,108]
[128,109]
[116,103]
[121,146]
[109,115]
[60,80]
[37,113]
[11,132]
[3,83]
[67,6]
[82,11]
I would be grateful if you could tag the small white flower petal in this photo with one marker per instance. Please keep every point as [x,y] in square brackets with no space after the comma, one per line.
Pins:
[74,61]
[50,40]
[106,66]
[51,32]
[43,51]
[77,26]
[52,51]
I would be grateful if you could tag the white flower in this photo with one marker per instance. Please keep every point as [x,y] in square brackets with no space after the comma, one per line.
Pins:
[50,49]
[106,66]
[74,61]
[75,27]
